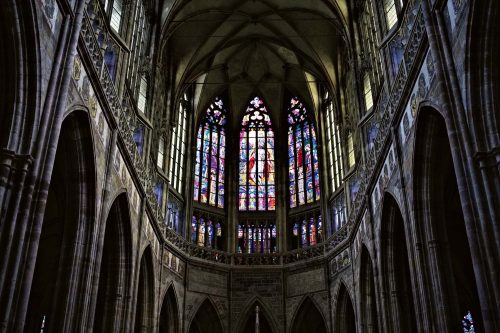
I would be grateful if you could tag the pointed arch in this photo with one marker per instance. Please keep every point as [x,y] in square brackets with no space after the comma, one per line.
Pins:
[257,188]
[440,224]
[247,320]
[345,318]
[368,300]
[169,313]
[66,231]
[144,311]
[397,280]
[20,73]
[206,320]
[115,268]
[308,318]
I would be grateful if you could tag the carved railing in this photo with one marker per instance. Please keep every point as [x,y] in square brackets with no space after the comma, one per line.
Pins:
[125,117]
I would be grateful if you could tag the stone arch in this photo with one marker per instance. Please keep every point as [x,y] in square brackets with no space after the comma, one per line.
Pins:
[396,276]
[368,298]
[448,263]
[169,313]
[20,86]
[206,319]
[247,321]
[308,318]
[65,229]
[115,269]
[145,305]
[345,318]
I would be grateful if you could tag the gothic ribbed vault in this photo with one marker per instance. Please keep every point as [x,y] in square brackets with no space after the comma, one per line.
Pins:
[263,46]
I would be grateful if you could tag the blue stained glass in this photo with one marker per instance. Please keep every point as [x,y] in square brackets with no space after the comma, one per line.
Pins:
[303,172]
[303,233]
[210,232]
[468,323]
[194,229]
[210,153]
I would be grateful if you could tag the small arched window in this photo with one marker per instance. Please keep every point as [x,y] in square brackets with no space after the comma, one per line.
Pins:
[257,190]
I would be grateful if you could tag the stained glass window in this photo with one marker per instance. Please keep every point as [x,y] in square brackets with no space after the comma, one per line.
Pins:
[210,156]
[173,215]
[307,230]
[256,237]
[257,190]
[138,136]
[468,323]
[177,150]
[303,164]
[206,230]
[334,148]
[339,213]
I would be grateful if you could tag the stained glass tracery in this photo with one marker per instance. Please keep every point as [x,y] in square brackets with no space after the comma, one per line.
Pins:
[256,237]
[257,189]
[307,230]
[303,163]
[210,156]
[206,230]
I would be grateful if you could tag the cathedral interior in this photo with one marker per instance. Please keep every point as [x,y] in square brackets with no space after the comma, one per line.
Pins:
[361,191]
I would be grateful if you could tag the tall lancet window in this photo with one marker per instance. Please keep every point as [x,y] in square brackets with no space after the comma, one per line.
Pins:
[210,156]
[257,191]
[303,165]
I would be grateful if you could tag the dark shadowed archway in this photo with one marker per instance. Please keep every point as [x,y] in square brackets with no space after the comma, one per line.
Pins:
[69,210]
[345,320]
[396,268]
[369,317]
[144,311]
[169,314]
[206,319]
[308,318]
[115,269]
[439,216]
[251,319]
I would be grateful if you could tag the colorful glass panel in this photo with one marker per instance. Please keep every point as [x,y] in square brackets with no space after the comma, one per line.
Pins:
[256,161]
[256,238]
[468,323]
[210,156]
[307,230]
[303,163]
